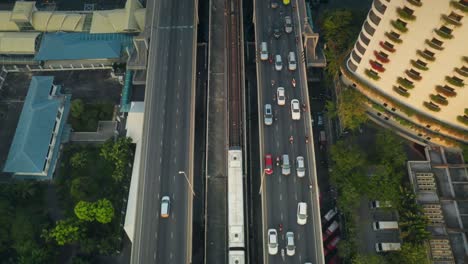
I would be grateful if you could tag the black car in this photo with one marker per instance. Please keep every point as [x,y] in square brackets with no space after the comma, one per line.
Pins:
[274,4]
[277,33]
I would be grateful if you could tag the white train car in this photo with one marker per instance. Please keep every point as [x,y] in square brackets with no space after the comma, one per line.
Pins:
[236,257]
[235,200]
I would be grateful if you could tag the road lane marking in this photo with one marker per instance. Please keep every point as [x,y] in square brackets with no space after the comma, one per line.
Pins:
[154,255]
[281,217]
[172,235]
[281,197]
[159,177]
[155,234]
[170,255]
[295,194]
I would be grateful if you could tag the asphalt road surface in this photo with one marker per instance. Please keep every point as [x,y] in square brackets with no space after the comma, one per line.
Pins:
[282,193]
[167,135]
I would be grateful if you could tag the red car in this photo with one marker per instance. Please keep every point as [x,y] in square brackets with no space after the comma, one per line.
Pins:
[332,245]
[268,164]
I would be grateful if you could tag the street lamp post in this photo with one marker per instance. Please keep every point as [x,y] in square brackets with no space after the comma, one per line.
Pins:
[189,184]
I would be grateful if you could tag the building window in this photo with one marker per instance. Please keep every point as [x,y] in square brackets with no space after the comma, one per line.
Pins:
[379,6]
[360,48]
[364,38]
[355,57]
[352,66]
[369,29]
[374,18]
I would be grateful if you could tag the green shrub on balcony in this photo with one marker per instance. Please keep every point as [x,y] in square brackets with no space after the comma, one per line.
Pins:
[461,72]
[419,66]
[463,119]
[433,45]
[438,99]
[459,6]
[401,92]
[372,75]
[426,56]
[415,2]
[405,83]
[399,26]
[447,92]
[454,82]
[466,111]
[451,21]
[431,106]
[402,13]
[443,34]
[393,38]
[378,107]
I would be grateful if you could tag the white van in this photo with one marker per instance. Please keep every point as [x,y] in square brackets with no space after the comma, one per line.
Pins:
[380,204]
[286,167]
[384,247]
[383,225]
[301,213]
[292,63]
[263,51]
[165,206]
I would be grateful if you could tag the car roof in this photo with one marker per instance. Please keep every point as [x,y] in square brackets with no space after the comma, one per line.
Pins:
[165,198]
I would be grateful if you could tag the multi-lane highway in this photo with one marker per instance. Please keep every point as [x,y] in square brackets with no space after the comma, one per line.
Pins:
[167,153]
[281,194]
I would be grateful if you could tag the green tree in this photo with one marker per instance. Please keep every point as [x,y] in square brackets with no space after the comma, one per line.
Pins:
[369,259]
[84,189]
[119,153]
[77,108]
[384,184]
[332,112]
[464,149]
[67,231]
[390,149]
[22,229]
[81,260]
[79,160]
[85,211]
[346,248]
[6,214]
[351,109]
[31,253]
[413,223]
[104,211]
[349,199]
[411,254]
[348,164]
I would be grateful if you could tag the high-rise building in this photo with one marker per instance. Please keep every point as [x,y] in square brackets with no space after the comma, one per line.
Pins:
[411,61]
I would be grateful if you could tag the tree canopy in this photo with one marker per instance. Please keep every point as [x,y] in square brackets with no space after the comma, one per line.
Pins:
[67,231]
[350,108]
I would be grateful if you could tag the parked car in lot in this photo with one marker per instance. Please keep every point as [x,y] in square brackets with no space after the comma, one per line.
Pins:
[272,242]
[290,246]
[287,24]
[332,245]
[384,225]
[268,164]
[268,115]
[329,215]
[385,247]
[281,96]
[295,110]
[278,62]
[330,230]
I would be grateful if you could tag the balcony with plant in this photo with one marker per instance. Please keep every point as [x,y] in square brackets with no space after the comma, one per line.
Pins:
[439,99]
[405,13]
[401,91]
[434,45]
[413,75]
[399,26]
[419,66]
[405,83]
[454,81]
[443,34]
[372,74]
[425,55]
[451,20]
[386,47]
[376,66]
[446,90]
[380,57]
[463,71]
[431,106]
[460,5]
[393,38]
[463,119]
[417,3]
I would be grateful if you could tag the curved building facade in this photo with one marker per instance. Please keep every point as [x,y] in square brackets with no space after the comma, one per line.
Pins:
[411,61]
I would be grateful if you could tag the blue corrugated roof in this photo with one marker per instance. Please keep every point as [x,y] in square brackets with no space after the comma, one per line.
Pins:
[34,131]
[81,46]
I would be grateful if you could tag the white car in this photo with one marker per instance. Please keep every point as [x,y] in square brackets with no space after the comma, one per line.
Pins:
[301,213]
[290,247]
[278,63]
[272,242]
[287,24]
[295,110]
[300,167]
[280,95]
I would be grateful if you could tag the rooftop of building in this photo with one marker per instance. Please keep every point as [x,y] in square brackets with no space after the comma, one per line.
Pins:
[35,127]
[18,42]
[82,46]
